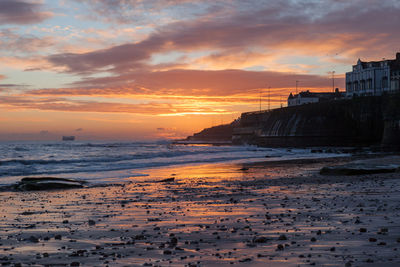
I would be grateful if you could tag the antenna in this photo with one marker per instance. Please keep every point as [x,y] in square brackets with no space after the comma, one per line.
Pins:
[333,81]
[297,83]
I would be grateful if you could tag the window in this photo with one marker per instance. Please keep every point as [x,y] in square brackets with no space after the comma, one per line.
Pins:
[349,88]
[362,85]
[355,84]
[384,82]
[369,84]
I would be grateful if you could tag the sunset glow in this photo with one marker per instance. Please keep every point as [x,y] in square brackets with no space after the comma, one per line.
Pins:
[148,70]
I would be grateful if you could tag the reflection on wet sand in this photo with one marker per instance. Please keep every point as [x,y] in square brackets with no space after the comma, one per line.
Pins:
[208,215]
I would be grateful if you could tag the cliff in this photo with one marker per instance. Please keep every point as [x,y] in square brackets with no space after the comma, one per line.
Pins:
[216,133]
[363,121]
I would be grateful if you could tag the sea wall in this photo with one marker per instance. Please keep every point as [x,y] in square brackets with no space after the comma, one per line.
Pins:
[351,122]
[361,121]
[391,118]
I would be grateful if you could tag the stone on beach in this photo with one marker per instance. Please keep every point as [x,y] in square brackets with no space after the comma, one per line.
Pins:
[359,169]
[167,180]
[46,183]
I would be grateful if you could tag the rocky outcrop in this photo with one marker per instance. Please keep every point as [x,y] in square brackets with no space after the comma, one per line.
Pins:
[216,133]
[354,169]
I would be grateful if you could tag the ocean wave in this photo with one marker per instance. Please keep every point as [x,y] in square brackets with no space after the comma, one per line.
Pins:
[117,158]
[107,167]
[93,157]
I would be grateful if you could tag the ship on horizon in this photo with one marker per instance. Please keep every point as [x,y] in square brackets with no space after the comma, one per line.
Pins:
[68,138]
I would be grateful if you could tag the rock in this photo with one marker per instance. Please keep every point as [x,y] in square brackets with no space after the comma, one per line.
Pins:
[363,230]
[173,242]
[383,231]
[33,239]
[372,239]
[27,213]
[282,237]
[313,239]
[280,247]
[46,183]
[260,239]
[91,222]
[354,169]
[58,237]
[75,263]
[168,180]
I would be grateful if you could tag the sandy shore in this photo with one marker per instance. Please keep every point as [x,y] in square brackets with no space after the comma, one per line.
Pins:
[259,215]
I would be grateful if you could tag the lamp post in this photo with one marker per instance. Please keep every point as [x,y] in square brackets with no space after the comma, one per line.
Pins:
[269,98]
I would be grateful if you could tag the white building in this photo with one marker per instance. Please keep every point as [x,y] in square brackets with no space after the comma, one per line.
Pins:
[374,77]
[307,97]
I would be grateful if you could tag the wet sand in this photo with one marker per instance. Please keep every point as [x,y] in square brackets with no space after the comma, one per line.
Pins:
[283,214]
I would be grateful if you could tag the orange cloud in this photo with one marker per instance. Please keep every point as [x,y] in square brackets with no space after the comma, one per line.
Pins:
[223,83]
[62,104]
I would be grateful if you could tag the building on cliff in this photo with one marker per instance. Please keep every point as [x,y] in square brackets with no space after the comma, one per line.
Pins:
[374,77]
[307,97]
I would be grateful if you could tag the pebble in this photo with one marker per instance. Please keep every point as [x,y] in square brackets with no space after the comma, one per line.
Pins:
[282,237]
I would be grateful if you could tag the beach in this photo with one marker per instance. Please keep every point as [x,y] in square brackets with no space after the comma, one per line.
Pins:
[262,214]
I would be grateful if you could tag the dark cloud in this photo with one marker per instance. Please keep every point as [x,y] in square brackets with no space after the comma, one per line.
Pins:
[126,56]
[10,86]
[33,69]
[149,11]
[13,42]
[311,28]
[21,12]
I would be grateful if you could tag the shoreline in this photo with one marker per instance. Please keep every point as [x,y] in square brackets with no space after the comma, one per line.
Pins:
[208,216]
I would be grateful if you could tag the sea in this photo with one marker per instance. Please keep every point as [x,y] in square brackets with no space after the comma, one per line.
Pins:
[102,162]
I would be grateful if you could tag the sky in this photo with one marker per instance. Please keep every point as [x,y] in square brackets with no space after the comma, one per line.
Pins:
[164,69]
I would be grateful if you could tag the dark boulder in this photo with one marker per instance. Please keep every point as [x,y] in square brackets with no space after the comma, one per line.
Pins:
[355,169]
[46,183]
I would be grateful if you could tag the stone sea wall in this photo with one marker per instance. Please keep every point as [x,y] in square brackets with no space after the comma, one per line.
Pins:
[363,121]
[335,123]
